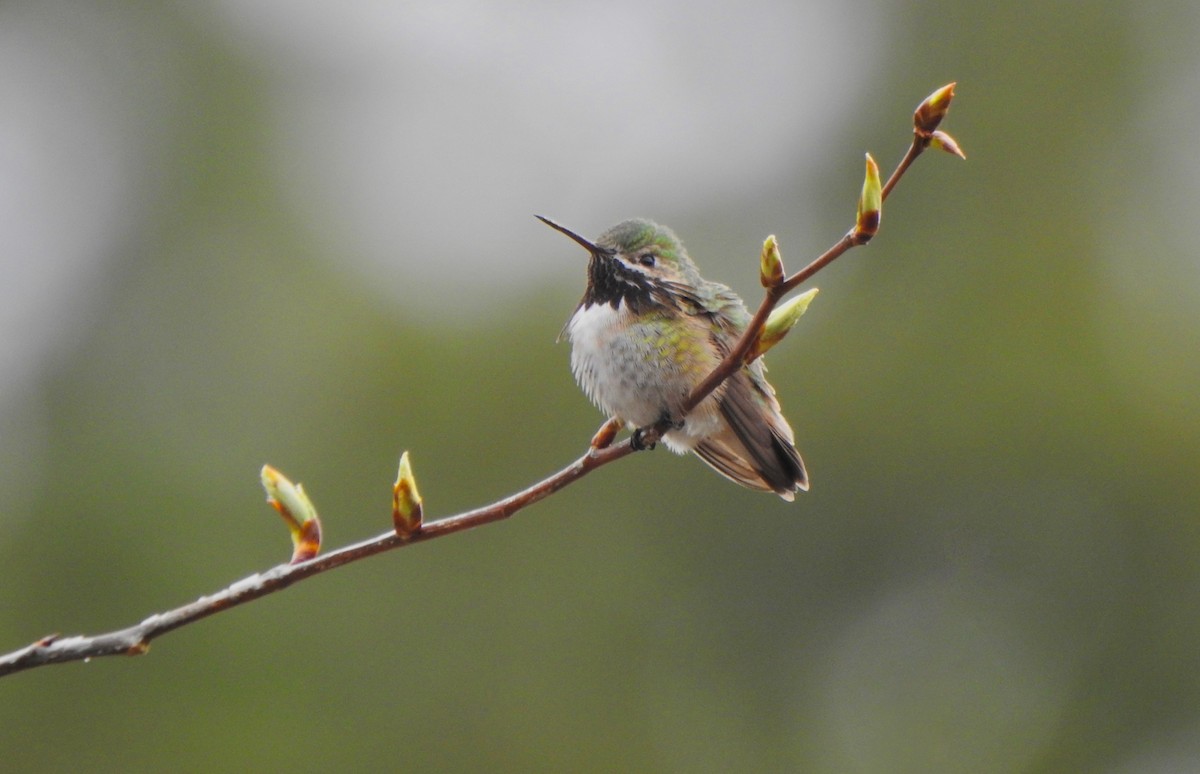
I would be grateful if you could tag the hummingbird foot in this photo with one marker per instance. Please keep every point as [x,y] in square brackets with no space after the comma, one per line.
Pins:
[638,439]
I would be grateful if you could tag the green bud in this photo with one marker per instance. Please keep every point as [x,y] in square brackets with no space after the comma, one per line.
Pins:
[780,321]
[932,110]
[771,264]
[407,508]
[297,511]
[870,204]
[943,141]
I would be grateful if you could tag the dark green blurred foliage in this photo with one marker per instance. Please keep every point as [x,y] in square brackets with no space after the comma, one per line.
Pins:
[996,570]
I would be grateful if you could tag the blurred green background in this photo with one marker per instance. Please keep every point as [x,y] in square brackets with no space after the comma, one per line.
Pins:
[301,233]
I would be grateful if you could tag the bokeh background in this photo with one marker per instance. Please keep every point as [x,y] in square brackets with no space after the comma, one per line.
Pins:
[301,233]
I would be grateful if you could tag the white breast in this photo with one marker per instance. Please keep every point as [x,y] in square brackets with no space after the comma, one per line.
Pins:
[601,361]
[625,371]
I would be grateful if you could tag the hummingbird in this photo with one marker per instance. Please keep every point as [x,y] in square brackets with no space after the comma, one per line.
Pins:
[649,329]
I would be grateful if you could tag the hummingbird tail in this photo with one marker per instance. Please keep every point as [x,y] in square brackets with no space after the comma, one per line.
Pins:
[730,463]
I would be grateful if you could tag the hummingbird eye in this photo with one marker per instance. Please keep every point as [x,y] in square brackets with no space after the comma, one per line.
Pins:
[646,259]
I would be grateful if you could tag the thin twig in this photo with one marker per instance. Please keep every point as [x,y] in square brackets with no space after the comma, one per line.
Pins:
[925,126]
[135,640]
[919,144]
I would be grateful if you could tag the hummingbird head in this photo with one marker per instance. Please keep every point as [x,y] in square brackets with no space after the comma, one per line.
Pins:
[637,262]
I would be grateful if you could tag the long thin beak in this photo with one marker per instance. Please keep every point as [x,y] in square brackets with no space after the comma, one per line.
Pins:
[591,247]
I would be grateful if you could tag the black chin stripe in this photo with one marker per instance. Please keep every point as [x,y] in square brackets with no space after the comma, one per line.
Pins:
[611,282]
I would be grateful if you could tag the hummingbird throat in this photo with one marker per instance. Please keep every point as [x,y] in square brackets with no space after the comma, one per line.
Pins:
[611,281]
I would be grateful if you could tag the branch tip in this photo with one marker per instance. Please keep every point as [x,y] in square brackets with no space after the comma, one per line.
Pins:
[932,110]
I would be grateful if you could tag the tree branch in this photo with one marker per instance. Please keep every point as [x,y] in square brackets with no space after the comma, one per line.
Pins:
[409,529]
[135,640]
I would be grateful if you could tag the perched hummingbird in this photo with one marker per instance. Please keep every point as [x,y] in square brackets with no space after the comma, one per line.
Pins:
[648,329]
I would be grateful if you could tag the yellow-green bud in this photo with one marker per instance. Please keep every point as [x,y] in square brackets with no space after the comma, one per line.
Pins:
[933,109]
[771,264]
[407,508]
[943,141]
[292,504]
[780,321]
[870,204]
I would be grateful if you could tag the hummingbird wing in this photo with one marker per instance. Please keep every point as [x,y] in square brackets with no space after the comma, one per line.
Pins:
[562,335]
[757,448]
